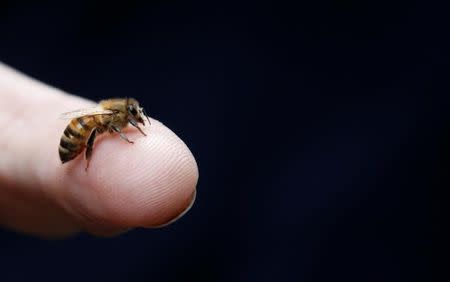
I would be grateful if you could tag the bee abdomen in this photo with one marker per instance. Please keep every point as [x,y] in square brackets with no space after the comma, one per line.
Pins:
[74,138]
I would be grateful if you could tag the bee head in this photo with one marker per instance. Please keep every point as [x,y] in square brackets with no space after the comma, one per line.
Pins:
[137,112]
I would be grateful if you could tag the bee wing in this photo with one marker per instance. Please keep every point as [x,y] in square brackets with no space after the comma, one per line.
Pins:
[85,112]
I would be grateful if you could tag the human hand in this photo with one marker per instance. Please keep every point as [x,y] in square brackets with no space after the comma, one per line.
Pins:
[147,184]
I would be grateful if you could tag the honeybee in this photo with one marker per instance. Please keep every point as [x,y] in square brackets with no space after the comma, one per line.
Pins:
[110,115]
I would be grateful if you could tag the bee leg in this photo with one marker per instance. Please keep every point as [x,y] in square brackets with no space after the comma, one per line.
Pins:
[89,146]
[123,136]
[134,123]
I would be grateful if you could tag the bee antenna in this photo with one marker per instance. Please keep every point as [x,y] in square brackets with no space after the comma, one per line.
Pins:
[143,110]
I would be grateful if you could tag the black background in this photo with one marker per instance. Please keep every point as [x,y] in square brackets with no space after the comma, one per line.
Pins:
[320,130]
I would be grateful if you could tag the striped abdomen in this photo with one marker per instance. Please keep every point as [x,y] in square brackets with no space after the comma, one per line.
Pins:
[73,141]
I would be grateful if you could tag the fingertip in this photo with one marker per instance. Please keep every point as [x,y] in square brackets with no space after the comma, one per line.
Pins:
[146,184]
[178,215]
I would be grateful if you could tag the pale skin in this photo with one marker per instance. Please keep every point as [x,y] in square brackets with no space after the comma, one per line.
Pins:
[150,183]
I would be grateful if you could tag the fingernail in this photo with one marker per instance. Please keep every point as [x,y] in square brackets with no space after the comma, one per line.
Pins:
[191,203]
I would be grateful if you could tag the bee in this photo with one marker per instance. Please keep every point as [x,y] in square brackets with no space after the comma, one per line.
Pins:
[110,115]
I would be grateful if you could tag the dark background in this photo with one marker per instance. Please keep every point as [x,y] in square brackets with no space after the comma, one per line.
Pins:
[320,131]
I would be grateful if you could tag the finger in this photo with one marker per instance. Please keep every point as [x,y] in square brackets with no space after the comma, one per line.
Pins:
[145,184]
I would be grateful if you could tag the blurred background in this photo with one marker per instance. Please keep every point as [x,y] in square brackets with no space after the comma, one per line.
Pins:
[321,131]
